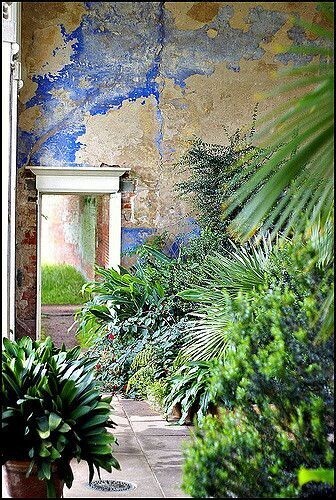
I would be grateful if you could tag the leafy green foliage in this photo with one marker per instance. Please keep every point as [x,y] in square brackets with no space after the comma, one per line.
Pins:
[219,448]
[61,284]
[275,386]
[209,168]
[191,388]
[153,336]
[188,269]
[117,297]
[52,411]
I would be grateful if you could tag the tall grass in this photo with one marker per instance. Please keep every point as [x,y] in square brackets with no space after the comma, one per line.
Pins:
[61,284]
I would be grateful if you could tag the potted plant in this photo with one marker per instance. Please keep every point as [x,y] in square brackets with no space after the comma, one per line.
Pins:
[52,413]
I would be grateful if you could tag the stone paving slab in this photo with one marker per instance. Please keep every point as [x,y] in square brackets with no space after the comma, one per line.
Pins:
[56,321]
[134,408]
[162,443]
[127,444]
[158,428]
[165,460]
[170,480]
[134,469]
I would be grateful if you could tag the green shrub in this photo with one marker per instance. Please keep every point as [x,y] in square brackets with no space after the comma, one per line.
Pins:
[209,168]
[158,360]
[276,380]
[229,458]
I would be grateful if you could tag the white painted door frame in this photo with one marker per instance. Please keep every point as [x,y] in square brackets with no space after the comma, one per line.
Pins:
[11,83]
[79,180]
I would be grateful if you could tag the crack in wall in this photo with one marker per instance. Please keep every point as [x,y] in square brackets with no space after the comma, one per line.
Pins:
[158,60]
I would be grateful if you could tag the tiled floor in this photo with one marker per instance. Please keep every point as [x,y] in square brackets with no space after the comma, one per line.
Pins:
[149,453]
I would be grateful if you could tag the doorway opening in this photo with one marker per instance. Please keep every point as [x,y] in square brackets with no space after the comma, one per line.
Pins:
[79,211]
[74,240]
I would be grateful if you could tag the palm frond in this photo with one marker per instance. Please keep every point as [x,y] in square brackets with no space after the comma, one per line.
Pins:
[208,338]
[296,159]
[238,271]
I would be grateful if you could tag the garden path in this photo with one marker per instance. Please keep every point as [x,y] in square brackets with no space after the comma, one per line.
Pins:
[149,453]
[55,322]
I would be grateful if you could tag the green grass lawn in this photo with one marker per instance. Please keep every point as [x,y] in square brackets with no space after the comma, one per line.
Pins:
[61,284]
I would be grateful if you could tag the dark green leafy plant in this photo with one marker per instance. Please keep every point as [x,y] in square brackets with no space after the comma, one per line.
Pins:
[117,297]
[207,169]
[123,340]
[127,292]
[52,411]
[221,447]
[191,388]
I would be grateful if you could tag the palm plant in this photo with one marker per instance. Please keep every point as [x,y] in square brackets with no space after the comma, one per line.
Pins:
[294,173]
[240,270]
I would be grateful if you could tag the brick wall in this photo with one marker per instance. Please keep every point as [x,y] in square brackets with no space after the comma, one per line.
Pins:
[102,230]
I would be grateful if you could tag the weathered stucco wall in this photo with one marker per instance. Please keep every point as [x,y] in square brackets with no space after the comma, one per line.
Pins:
[129,83]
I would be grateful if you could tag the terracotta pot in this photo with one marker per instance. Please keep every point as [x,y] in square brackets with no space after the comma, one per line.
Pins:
[176,411]
[20,486]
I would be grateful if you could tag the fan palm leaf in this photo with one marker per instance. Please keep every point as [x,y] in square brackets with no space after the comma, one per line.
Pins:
[295,166]
[238,271]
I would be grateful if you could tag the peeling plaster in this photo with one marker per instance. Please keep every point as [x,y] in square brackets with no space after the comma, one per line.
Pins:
[188,15]
[130,82]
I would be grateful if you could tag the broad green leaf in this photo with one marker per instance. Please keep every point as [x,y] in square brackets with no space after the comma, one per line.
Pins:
[54,421]
[319,475]
[95,421]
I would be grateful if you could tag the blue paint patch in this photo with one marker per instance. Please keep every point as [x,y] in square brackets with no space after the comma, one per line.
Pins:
[192,231]
[133,237]
[62,145]
[24,141]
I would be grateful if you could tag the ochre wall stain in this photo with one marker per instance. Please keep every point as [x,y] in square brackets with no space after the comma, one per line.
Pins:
[204,11]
